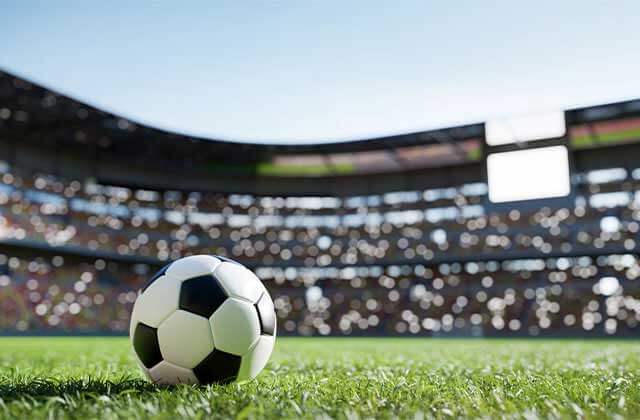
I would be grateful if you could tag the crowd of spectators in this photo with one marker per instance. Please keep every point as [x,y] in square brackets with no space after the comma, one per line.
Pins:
[408,226]
[437,261]
[553,296]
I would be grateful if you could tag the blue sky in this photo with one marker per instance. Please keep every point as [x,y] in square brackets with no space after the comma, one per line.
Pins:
[295,71]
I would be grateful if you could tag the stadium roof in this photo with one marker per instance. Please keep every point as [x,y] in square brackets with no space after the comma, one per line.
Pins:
[37,117]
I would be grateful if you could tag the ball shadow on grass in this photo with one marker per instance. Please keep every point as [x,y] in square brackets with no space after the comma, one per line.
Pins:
[90,388]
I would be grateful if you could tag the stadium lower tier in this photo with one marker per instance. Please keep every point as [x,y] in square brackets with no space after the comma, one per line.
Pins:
[582,296]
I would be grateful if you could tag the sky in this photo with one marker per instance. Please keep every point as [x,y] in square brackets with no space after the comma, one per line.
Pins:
[319,71]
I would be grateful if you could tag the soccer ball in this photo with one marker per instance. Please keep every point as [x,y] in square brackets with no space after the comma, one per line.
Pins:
[203,319]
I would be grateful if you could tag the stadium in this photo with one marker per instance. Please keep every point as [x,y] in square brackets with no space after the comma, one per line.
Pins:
[385,236]
[335,261]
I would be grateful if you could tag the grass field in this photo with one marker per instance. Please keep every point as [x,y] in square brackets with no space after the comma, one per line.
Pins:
[343,378]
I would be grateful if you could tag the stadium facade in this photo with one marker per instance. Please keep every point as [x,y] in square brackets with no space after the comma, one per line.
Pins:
[384,236]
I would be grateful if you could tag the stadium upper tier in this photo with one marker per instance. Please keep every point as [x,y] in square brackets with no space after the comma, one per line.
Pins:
[44,131]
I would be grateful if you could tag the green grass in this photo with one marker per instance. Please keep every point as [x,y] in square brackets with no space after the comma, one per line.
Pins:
[613,137]
[342,378]
[275,169]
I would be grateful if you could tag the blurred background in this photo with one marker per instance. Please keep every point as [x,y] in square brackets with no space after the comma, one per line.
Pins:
[421,171]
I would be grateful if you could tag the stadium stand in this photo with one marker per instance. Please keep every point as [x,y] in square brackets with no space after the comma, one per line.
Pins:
[388,236]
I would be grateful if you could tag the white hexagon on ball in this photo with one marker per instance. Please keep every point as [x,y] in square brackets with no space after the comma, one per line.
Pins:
[256,359]
[157,302]
[193,266]
[165,373]
[239,282]
[185,339]
[235,326]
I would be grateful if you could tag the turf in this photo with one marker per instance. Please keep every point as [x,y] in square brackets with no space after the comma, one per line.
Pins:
[341,378]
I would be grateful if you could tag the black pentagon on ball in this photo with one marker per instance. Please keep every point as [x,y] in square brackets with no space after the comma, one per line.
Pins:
[266,314]
[201,295]
[225,259]
[218,367]
[156,276]
[145,344]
